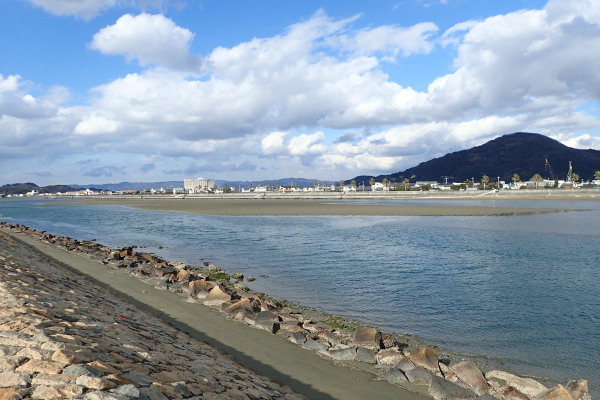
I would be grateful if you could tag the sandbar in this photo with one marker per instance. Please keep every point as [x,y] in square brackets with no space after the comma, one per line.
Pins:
[308,207]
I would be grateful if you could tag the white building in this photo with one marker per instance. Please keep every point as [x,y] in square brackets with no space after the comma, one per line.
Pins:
[378,187]
[198,185]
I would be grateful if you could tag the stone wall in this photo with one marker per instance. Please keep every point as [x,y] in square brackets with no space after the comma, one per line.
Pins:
[63,337]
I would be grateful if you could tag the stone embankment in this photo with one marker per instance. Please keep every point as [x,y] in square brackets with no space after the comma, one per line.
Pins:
[418,368]
[62,337]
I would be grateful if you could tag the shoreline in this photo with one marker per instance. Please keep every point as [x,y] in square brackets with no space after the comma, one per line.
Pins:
[439,367]
[587,194]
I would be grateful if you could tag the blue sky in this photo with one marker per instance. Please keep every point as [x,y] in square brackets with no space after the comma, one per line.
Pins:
[100,91]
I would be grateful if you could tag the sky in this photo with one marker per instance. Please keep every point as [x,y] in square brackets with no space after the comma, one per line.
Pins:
[105,91]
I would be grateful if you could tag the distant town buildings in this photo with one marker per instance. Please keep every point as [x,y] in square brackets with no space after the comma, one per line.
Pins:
[198,185]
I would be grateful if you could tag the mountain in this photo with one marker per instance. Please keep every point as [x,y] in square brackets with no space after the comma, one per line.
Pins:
[134,185]
[22,188]
[302,182]
[519,153]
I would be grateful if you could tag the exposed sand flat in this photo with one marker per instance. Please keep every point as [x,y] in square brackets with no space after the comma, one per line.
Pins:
[288,364]
[236,207]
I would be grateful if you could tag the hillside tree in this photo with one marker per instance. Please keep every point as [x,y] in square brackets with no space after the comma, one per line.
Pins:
[485,180]
[575,177]
[406,183]
[537,178]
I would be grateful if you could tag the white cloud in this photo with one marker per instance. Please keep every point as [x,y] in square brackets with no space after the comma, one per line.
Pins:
[275,83]
[508,63]
[85,9]
[584,141]
[16,102]
[307,144]
[273,143]
[9,84]
[96,124]
[149,39]
[390,40]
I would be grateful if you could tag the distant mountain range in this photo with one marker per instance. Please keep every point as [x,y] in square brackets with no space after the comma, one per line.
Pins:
[22,188]
[519,153]
[132,185]
[179,184]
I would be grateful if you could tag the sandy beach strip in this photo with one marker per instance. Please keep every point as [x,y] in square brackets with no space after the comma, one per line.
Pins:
[268,355]
[298,207]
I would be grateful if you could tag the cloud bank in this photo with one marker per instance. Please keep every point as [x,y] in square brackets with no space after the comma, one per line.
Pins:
[317,99]
[85,9]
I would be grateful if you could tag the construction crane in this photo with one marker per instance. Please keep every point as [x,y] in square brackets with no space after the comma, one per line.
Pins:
[548,170]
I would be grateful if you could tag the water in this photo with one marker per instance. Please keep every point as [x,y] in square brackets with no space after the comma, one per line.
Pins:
[522,291]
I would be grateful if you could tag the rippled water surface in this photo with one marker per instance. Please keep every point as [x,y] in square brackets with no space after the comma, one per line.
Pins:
[523,290]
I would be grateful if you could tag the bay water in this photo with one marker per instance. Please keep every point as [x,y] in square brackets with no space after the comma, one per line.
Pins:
[519,293]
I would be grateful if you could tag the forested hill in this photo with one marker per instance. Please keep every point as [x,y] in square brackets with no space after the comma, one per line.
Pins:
[519,153]
[22,188]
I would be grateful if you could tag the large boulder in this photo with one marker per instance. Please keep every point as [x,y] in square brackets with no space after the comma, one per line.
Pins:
[234,306]
[126,251]
[395,376]
[419,375]
[216,297]
[388,340]
[427,358]
[200,288]
[163,271]
[389,356]
[314,345]
[405,364]
[182,276]
[472,376]
[149,257]
[263,316]
[330,336]
[578,389]
[558,392]
[366,355]
[265,320]
[297,338]
[527,386]
[291,326]
[348,353]
[441,389]
[510,393]
[369,338]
